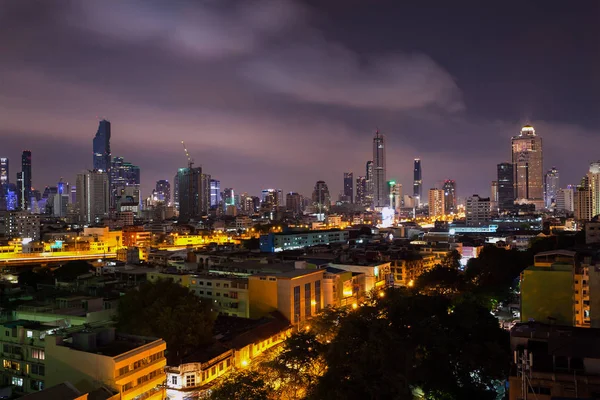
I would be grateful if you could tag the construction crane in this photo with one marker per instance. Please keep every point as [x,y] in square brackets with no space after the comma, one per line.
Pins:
[190,161]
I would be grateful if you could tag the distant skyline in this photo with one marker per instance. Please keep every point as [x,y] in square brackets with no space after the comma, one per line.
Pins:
[281,94]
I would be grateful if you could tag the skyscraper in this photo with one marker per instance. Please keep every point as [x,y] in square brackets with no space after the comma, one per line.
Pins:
[228,197]
[361,190]
[551,186]
[527,159]
[396,199]
[583,200]
[24,181]
[321,198]
[163,190]
[349,187]
[293,203]
[449,196]
[417,182]
[477,210]
[593,182]
[369,184]
[4,172]
[506,188]
[122,174]
[92,196]
[176,191]
[379,182]
[215,192]
[101,145]
[437,205]
[193,193]
[494,197]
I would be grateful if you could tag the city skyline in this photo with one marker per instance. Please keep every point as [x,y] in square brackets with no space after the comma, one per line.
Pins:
[468,126]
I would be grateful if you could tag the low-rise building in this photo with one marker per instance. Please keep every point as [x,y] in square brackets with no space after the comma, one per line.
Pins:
[227,295]
[342,288]
[297,294]
[133,366]
[276,242]
[377,274]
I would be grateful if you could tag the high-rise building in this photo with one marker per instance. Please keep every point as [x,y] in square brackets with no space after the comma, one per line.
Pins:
[101,146]
[215,192]
[273,198]
[92,196]
[349,187]
[437,202]
[361,190]
[122,174]
[449,196]
[551,186]
[4,172]
[194,193]
[527,159]
[494,197]
[321,198]
[380,199]
[417,182]
[506,187]
[163,191]
[228,197]
[593,181]
[477,210]
[396,199]
[565,199]
[369,184]
[583,199]
[24,181]
[176,191]
[293,203]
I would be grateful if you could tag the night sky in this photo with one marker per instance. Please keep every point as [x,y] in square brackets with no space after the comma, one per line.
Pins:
[282,94]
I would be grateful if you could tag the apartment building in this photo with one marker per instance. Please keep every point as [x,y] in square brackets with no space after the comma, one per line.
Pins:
[132,366]
[227,295]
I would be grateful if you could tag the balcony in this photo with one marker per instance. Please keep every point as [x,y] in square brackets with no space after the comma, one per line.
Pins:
[149,387]
[142,370]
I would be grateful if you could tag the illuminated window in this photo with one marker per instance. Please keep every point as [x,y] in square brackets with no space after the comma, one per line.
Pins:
[29,334]
[38,354]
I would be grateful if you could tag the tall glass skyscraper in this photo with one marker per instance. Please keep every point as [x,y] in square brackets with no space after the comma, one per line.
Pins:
[417,182]
[528,160]
[215,192]
[449,196]
[101,144]
[24,181]
[506,187]
[163,189]
[380,199]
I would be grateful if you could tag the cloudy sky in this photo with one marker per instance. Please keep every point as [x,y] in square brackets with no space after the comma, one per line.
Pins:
[278,93]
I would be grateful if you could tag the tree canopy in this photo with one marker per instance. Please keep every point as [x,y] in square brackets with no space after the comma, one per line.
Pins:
[169,311]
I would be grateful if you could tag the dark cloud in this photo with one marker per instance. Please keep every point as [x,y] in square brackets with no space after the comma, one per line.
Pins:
[265,94]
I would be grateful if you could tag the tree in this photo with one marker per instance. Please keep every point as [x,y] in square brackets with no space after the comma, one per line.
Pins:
[403,343]
[72,269]
[451,260]
[441,280]
[169,311]
[246,385]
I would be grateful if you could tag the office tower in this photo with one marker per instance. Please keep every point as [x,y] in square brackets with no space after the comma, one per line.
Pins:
[92,196]
[506,188]
[417,182]
[215,192]
[122,174]
[193,193]
[163,191]
[593,180]
[551,186]
[583,200]
[494,197]
[349,187]
[379,182]
[228,197]
[437,205]
[396,199]
[60,200]
[361,190]
[565,199]
[273,198]
[477,210]
[293,203]
[4,172]
[73,198]
[449,196]
[527,159]
[101,146]
[24,181]
[321,199]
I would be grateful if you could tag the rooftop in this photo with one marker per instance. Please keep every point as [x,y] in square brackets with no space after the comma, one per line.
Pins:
[291,274]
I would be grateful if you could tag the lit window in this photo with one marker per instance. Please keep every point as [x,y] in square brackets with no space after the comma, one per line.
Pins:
[29,334]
